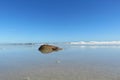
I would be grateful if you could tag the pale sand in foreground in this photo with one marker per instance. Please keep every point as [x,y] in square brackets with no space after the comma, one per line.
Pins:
[57,72]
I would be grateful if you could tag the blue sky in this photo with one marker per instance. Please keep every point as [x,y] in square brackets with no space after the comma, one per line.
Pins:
[59,20]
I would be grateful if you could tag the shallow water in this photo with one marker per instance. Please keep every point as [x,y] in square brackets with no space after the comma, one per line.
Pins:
[20,62]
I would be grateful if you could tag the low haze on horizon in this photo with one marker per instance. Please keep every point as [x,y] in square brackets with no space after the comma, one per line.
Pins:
[59,20]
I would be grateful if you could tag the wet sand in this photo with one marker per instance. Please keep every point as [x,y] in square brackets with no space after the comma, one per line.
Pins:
[72,63]
[59,73]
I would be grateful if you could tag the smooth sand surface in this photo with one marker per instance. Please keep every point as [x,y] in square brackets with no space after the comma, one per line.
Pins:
[73,63]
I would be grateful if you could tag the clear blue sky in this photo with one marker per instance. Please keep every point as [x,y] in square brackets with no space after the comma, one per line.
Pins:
[59,20]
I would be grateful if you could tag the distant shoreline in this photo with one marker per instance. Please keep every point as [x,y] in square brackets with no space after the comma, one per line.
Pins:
[85,43]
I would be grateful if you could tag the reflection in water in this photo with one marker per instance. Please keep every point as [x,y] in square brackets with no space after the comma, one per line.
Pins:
[48,49]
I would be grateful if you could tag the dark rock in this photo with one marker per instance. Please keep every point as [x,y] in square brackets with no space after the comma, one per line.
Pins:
[48,48]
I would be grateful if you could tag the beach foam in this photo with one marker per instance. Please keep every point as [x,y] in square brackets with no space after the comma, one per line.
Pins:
[97,42]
